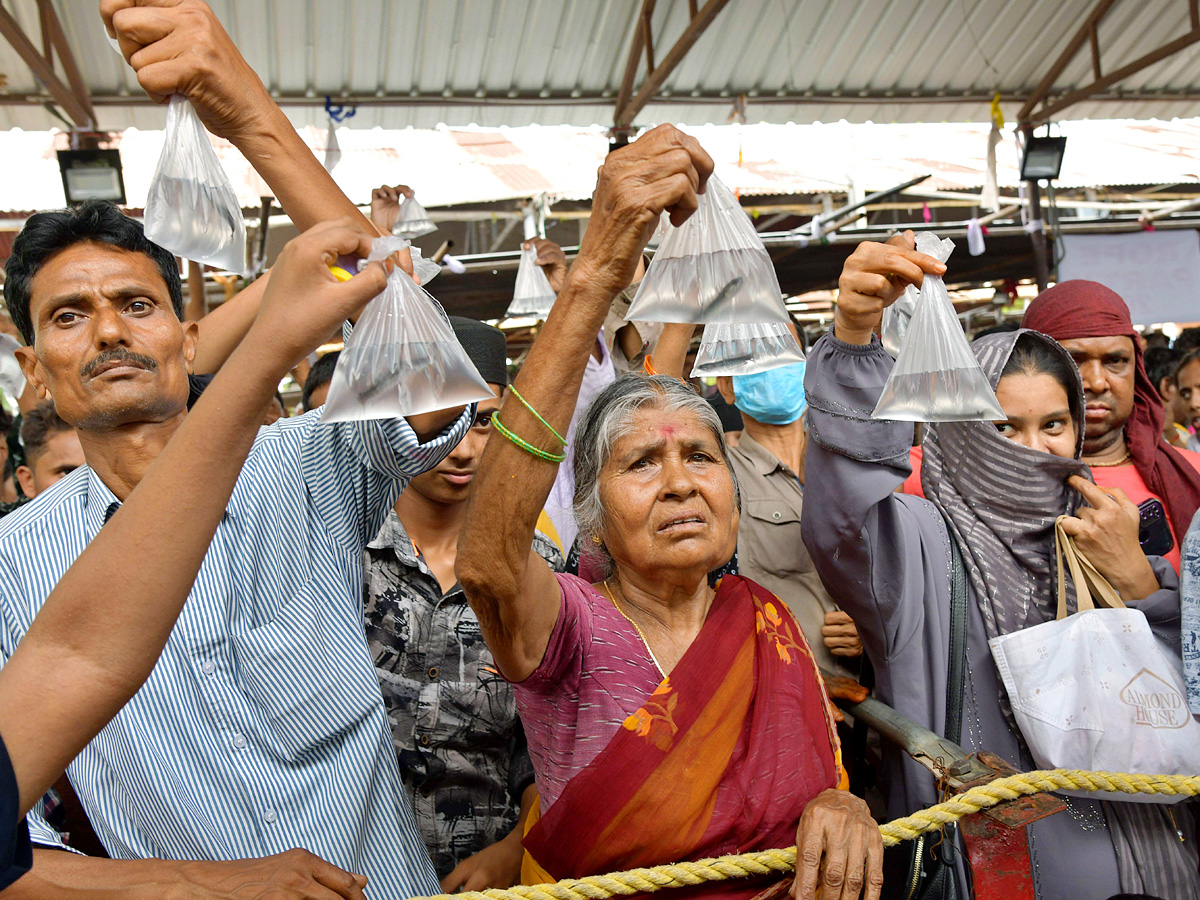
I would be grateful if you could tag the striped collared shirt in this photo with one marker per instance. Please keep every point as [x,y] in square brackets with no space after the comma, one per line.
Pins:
[261,727]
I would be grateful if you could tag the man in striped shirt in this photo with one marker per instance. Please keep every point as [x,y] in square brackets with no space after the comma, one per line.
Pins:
[261,728]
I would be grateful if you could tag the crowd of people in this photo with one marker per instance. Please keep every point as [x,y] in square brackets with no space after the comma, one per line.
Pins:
[592,623]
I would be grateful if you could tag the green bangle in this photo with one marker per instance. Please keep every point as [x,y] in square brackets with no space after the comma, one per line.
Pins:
[525,445]
[536,414]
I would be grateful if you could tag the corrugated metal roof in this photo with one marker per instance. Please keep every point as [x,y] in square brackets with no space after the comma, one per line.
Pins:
[452,166]
[518,62]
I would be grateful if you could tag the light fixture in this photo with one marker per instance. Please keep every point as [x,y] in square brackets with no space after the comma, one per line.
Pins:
[1043,158]
[91,175]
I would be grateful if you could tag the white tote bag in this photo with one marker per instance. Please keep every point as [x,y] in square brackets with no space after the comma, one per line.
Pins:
[1096,690]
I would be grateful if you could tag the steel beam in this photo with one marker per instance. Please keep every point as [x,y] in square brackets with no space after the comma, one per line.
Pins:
[626,112]
[1064,59]
[635,54]
[564,98]
[43,69]
[1117,75]
[57,39]
[648,36]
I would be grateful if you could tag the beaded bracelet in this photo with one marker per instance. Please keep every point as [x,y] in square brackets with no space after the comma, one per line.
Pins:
[525,445]
[537,415]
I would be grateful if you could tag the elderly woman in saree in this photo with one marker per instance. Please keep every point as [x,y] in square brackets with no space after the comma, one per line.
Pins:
[666,719]
[995,489]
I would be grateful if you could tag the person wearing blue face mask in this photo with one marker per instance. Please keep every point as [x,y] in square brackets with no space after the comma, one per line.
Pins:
[769,462]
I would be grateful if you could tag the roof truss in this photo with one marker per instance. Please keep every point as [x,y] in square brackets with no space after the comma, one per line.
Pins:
[1087,34]
[72,96]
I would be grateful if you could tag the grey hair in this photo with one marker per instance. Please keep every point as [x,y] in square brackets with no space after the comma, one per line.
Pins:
[606,418]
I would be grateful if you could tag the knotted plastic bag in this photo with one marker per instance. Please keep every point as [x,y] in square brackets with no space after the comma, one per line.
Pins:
[532,295]
[425,269]
[191,208]
[402,357]
[413,221]
[936,377]
[745,349]
[712,268]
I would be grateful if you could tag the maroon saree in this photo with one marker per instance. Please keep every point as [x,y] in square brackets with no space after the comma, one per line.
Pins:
[721,758]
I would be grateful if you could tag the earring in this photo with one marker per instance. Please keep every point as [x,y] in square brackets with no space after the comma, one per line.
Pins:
[596,539]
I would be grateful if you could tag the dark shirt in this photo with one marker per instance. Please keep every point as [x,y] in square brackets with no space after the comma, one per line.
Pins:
[461,749]
[16,854]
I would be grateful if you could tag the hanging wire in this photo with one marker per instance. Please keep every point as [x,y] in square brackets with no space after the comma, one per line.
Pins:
[978,48]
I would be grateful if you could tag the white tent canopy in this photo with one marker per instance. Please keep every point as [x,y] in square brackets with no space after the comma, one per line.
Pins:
[453,166]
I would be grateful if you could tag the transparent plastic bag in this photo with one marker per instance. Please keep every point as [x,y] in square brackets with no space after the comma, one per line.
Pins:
[191,208]
[711,269]
[424,269]
[745,349]
[402,357]
[413,221]
[664,223]
[936,377]
[532,294]
[895,321]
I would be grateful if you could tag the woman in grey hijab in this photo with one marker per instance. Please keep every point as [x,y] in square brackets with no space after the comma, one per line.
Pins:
[996,489]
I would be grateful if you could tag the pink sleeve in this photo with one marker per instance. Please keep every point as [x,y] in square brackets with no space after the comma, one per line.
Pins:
[912,484]
[570,641]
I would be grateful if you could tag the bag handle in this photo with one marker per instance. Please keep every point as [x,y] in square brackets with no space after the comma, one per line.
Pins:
[1092,589]
[956,675]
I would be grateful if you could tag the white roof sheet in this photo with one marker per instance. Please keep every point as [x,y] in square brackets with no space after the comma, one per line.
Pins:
[418,63]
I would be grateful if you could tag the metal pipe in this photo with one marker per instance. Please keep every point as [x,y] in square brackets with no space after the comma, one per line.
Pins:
[841,211]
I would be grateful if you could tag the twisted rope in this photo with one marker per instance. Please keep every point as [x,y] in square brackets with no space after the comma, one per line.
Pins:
[764,862]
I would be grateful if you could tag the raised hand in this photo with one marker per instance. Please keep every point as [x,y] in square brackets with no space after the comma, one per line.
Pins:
[303,302]
[664,169]
[551,258]
[385,205]
[873,278]
[180,47]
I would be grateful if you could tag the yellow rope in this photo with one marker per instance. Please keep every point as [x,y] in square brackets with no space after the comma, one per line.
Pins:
[764,862]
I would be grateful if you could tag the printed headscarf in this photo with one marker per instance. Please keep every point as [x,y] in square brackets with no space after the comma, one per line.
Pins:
[1000,500]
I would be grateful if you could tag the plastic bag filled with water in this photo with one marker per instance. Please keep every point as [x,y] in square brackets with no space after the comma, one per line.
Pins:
[712,268]
[936,377]
[895,321]
[191,208]
[413,220]
[532,295]
[745,349]
[402,357]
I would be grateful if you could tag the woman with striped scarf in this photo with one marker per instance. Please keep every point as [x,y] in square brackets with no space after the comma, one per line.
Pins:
[995,490]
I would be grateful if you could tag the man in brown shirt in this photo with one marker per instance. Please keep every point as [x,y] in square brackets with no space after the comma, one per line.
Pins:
[769,462]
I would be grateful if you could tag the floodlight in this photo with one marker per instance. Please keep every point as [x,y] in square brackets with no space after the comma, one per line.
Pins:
[1043,158]
[91,175]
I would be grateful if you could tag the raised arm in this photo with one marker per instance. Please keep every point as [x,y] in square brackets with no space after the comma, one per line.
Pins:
[511,589]
[180,47]
[864,539]
[100,632]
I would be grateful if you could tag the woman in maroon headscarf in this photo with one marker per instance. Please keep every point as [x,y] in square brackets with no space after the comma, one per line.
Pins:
[1123,442]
